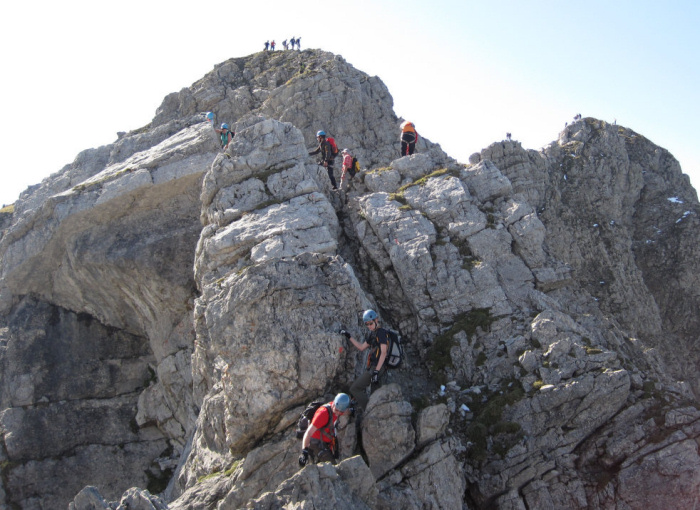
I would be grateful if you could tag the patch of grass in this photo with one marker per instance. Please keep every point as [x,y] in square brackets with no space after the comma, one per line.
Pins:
[8,209]
[439,356]
[490,221]
[208,477]
[98,182]
[439,353]
[488,423]
[424,179]
[591,350]
[6,466]
[418,404]
[649,388]
[537,385]
[398,197]
[379,170]
[233,468]
[436,173]
[470,263]
[469,260]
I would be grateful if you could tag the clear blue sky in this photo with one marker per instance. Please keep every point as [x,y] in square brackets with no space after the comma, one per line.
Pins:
[466,72]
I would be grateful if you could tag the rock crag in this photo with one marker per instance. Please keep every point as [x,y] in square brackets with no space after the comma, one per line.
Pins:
[167,309]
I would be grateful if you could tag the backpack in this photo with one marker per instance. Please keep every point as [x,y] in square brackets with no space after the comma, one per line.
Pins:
[308,414]
[334,147]
[355,167]
[395,349]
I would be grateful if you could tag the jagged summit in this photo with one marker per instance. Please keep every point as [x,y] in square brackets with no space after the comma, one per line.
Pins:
[167,309]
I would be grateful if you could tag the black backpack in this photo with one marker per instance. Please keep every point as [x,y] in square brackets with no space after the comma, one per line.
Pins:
[354,168]
[308,414]
[395,349]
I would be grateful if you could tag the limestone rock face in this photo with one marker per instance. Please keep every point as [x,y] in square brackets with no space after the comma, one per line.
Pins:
[313,90]
[167,310]
[620,213]
[388,437]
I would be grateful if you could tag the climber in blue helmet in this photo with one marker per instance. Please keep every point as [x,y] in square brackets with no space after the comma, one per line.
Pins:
[210,117]
[319,440]
[226,135]
[378,341]
[327,155]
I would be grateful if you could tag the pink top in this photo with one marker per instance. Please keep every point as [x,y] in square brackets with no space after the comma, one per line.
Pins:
[347,161]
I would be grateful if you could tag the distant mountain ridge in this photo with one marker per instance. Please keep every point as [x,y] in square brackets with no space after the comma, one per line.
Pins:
[167,309]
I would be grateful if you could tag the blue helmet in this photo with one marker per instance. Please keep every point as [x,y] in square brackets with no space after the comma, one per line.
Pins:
[210,115]
[321,133]
[224,126]
[342,402]
[369,315]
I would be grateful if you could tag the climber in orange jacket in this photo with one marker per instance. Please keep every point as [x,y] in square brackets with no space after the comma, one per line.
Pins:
[409,137]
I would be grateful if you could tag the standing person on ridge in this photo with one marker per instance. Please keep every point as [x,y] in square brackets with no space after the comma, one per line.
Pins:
[378,342]
[409,137]
[267,45]
[326,160]
[319,440]
[272,45]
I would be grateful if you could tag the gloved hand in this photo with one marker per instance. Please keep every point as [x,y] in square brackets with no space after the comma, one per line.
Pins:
[304,457]
[375,377]
[345,333]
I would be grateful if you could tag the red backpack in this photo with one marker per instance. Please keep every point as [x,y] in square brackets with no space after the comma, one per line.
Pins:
[334,147]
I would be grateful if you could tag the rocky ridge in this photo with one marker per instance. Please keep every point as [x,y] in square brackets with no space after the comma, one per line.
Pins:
[167,309]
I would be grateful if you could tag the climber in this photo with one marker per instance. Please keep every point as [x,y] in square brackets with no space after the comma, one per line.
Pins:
[378,341]
[326,156]
[319,440]
[348,167]
[409,137]
[210,118]
[226,135]
[272,45]
[267,45]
